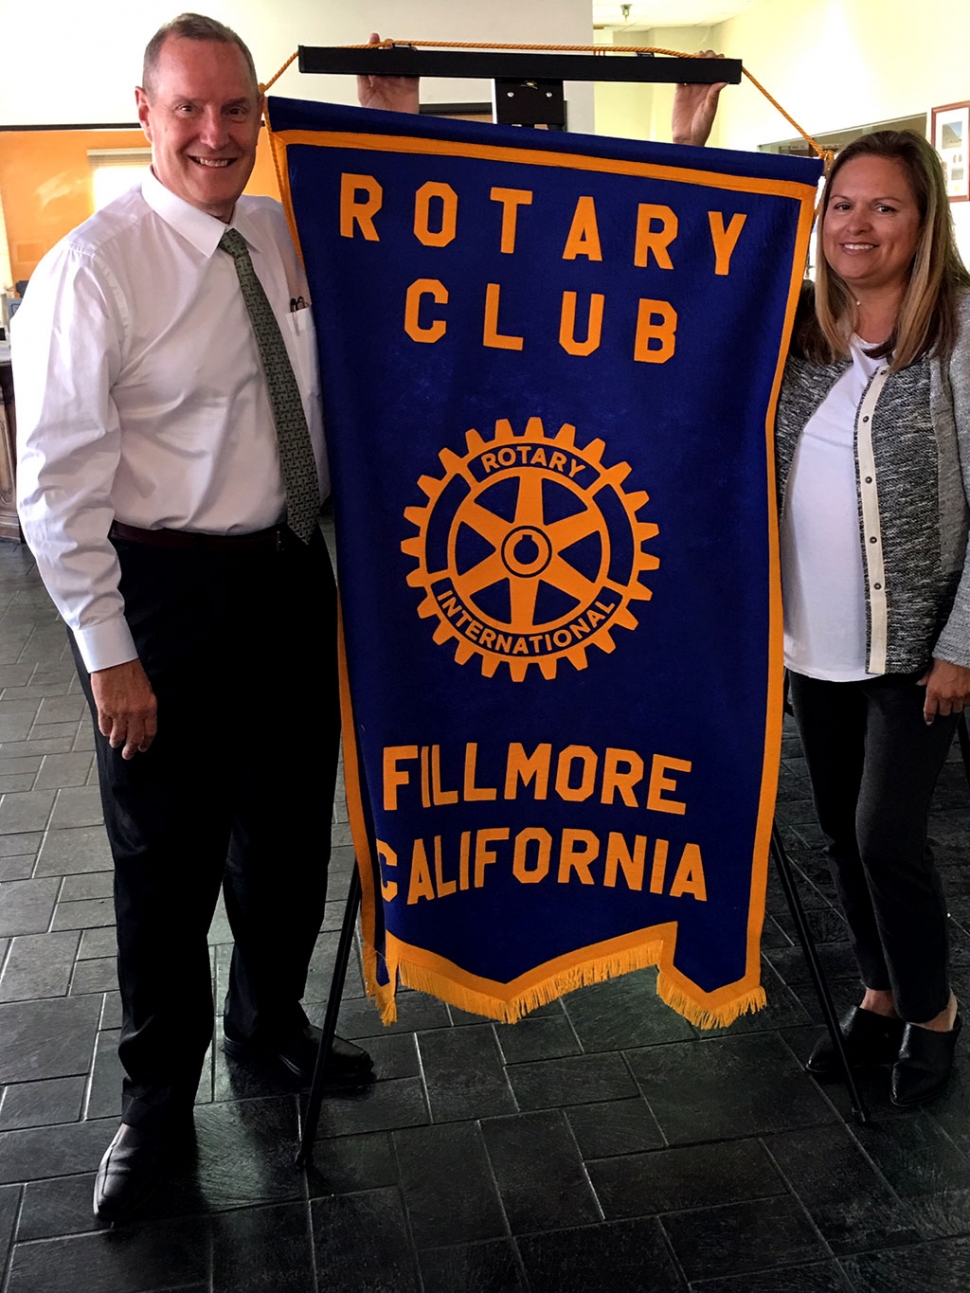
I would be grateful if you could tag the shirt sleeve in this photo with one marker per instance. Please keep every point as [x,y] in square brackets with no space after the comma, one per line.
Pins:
[67,345]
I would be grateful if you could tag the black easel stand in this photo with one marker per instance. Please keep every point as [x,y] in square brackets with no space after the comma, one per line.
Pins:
[783,863]
[520,97]
[315,1099]
[963,736]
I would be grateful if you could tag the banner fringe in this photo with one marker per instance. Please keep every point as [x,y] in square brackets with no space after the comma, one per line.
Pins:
[706,1016]
[540,994]
[432,982]
[510,1011]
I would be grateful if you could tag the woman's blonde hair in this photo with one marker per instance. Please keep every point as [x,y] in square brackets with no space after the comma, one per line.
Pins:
[927,313]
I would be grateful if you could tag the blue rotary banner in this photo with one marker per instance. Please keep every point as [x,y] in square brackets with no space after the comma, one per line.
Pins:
[550,366]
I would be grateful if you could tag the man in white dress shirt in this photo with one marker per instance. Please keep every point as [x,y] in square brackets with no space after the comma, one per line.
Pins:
[151,493]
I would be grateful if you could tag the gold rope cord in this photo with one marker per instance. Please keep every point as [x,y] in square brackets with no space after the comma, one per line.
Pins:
[825,153]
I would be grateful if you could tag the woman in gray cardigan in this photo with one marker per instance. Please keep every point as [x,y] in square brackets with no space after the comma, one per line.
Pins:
[873,424]
[873,453]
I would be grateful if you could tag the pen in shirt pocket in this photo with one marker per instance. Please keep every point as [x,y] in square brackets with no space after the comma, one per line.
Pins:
[298,303]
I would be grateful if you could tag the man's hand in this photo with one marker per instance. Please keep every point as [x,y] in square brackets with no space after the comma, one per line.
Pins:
[393,93]
[695,107]
[126,707]
[947,689]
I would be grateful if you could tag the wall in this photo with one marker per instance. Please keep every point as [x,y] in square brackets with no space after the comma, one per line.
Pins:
[68,62]
[842,63]
[833,64]
[86,74]
[45,188]
[642,111]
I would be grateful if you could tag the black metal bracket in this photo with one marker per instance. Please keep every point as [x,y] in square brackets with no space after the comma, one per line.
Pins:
[529,103]
[491,65]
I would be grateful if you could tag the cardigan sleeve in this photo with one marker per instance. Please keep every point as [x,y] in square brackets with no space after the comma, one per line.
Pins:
[953,643]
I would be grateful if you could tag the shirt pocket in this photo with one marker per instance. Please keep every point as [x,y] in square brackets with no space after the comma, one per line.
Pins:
[300,337]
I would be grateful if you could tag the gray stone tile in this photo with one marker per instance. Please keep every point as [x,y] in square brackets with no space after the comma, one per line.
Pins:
[384,1106]
[60,770]
[95,976]
[60,709]
[27,811]
[28,842]
[61,1150]
[98,942]
[104,1096]
[87,914]
[64,732]
[39,965]
[77,849]
[20,763]
[42,745]
[16,868]
[15,675]
[17,718]
[79,806]
[26,906]
[111,1010]
[45,1039]
[87,884]
[16,781]
[35,691]
[39,1104]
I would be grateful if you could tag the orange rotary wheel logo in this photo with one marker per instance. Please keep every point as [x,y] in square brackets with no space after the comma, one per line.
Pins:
[529,549]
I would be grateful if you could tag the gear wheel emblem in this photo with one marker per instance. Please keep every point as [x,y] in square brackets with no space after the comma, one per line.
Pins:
[529,550]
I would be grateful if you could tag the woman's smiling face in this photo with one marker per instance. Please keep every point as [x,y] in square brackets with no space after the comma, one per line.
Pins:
[872,224]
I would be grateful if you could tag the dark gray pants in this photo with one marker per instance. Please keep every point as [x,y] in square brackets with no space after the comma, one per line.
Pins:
[873,764]
[236,791]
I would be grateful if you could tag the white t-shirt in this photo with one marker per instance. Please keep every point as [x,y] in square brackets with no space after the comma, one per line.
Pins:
[821,556]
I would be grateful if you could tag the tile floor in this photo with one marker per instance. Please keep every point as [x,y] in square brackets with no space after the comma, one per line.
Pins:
[603,1144]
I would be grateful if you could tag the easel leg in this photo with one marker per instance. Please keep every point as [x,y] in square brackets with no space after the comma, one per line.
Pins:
[344,948]
[783,863]
[963,736]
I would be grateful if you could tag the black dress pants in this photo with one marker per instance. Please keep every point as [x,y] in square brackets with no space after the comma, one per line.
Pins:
[873,764]
[236,790]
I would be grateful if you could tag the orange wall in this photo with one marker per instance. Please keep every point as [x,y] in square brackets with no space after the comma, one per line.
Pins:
[45,185]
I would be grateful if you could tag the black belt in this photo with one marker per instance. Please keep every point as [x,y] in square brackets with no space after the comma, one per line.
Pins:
[276,539]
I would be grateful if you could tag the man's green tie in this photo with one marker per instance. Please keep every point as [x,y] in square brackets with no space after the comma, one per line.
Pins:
[296,453]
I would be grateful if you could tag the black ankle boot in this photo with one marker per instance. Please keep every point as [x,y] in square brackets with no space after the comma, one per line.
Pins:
[870,1039]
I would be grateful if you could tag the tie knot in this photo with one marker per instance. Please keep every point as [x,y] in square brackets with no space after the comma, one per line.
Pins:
[234,243]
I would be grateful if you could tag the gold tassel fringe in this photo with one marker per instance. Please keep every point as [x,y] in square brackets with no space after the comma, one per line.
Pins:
[514,1008]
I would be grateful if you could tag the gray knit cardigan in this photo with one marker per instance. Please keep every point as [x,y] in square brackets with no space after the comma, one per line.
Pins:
[912,451]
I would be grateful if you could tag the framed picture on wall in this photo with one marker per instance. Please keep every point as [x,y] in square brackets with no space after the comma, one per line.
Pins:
[951,139]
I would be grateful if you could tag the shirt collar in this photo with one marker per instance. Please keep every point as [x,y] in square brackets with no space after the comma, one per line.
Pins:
[199,228]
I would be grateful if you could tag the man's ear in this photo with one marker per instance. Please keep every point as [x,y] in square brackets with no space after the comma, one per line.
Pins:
[144,111]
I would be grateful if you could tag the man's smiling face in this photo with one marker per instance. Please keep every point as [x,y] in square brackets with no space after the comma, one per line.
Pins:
[201,114]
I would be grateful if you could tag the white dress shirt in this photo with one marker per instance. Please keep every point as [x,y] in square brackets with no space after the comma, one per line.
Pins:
[141,396]
[821,550]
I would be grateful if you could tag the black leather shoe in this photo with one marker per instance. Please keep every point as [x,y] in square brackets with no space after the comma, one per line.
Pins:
[870,1039]
[133,1165]
[923,1068]
[347,1064]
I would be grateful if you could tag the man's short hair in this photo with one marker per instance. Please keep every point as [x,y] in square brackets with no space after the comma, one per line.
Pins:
[192,26]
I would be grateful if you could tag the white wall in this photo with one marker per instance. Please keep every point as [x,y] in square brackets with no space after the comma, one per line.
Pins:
[841,63]
[832,64]
[835,64]
[70,61]
[642,110]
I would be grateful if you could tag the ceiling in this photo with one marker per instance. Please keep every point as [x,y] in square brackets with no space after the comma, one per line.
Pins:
[668,13]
